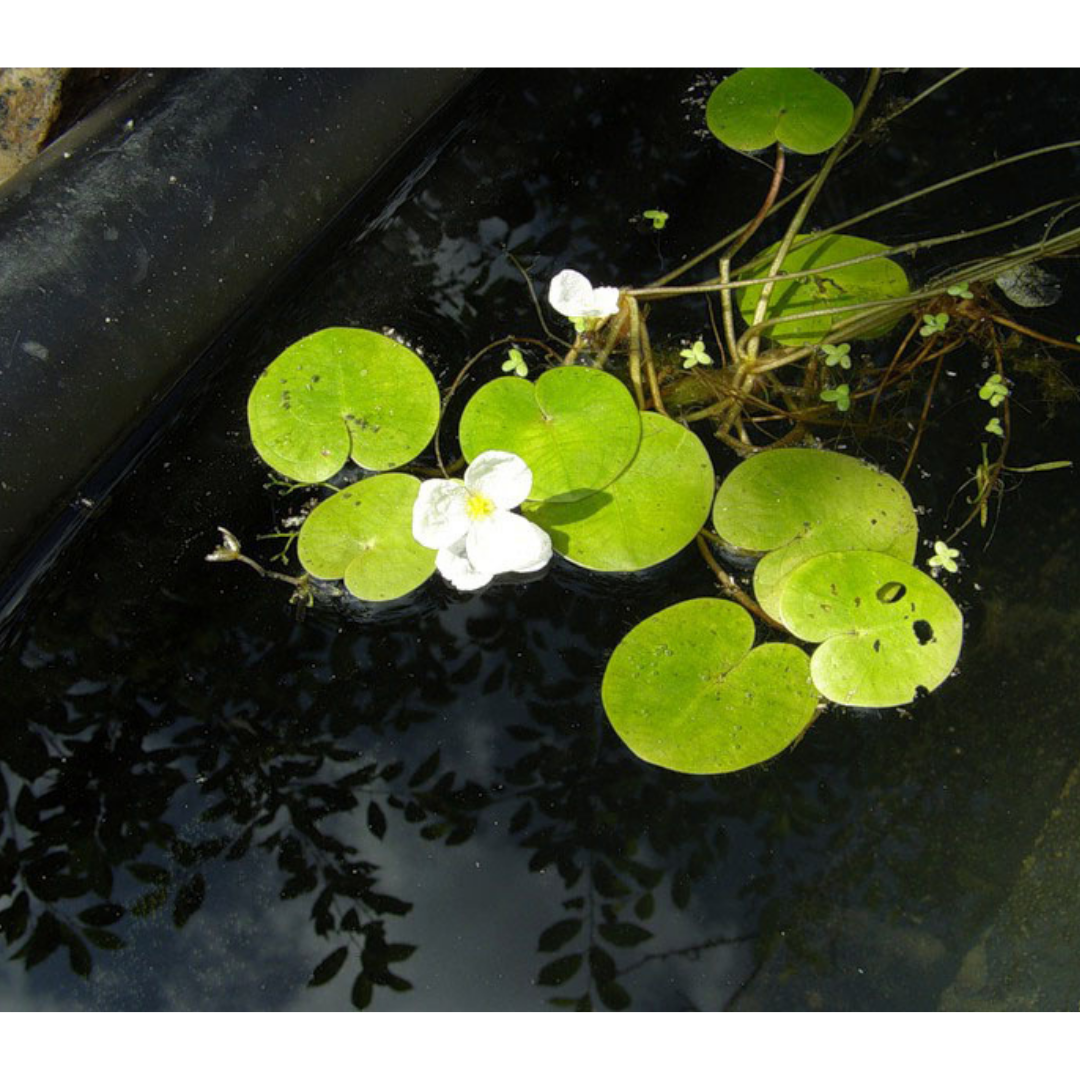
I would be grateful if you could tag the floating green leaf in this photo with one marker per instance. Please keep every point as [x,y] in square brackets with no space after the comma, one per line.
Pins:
[648,514]
[875,279]
[685,690]
[364,535]
[339,394]
[885,627]
[576,428]
[795,504]
[756,107]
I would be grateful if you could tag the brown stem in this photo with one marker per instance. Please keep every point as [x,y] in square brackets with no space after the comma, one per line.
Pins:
[650,371]
[888,371]
[728,584]
[635,352]
[922,419]
[766,206]
[613,335]
[1034,333]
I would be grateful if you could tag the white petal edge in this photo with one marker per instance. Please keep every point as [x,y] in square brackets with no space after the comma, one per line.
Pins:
[570,293]
[506,543]
[500,476]
[605,301]
[440,516]
[454,565]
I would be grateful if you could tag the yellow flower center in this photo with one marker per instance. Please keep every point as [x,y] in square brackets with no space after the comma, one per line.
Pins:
[479,507]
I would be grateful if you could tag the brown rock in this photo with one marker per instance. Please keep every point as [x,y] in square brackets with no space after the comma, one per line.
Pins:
[29,102]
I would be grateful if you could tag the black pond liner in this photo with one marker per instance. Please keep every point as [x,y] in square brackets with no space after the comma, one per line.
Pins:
[215,800]
[131,244]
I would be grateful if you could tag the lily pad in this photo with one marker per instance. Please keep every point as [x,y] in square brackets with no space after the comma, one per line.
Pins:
[338,394]
[647,514]
[756,107]
[794,504]
[885,627]
[685,690]
[576,428]
[875,279]
[364,535]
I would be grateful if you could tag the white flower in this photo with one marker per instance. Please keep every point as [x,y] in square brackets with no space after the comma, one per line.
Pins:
[571,294]
[470,524]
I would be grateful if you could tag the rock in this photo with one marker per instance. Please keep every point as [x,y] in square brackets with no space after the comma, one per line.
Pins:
[29,102]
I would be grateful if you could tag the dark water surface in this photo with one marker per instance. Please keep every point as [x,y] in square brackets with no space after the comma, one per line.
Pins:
[209,799]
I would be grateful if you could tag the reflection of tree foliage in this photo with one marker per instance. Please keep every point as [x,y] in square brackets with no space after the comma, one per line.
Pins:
[278,755]
[621,835]
[166,718]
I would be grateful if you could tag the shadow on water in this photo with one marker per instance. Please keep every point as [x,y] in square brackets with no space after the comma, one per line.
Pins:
[214,803]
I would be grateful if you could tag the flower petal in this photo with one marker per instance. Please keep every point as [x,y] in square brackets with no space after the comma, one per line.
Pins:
[506,543]
[605,301]
[501,477]
[439,514]
[570,293]
[454,565]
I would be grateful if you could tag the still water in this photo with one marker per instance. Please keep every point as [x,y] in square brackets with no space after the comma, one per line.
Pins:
[215,803]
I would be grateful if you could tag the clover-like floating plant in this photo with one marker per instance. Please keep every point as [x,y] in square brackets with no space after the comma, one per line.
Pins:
[342,394]
[599,457]
[790,505]
[649,513]
[577,428]
[363,535]
[886,628]
[685,689]
[796,107]
[872,280]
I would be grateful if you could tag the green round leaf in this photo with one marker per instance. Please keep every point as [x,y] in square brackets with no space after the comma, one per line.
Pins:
[339,394]
[364,535]
[648,514]
[756,107]
[684,690]
[875,279]
[885,627]
[794,504]
[576,428]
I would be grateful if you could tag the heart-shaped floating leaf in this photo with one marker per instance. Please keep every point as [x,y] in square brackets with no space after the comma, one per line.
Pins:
[650,512]
[685,690]
[364,535]
[338,394]
[756,107]
[885,627]
[576,428]
[875,279]
[796,503]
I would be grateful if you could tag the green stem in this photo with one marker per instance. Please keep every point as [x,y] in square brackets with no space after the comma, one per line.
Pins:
[805,206]
[725,240]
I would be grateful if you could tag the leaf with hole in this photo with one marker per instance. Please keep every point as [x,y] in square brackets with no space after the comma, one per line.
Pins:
[646,515]
[756,107]
[576,428]
[863,282]
[342,394]
[793,504]
[364,535]
[686,690]
[885,627]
